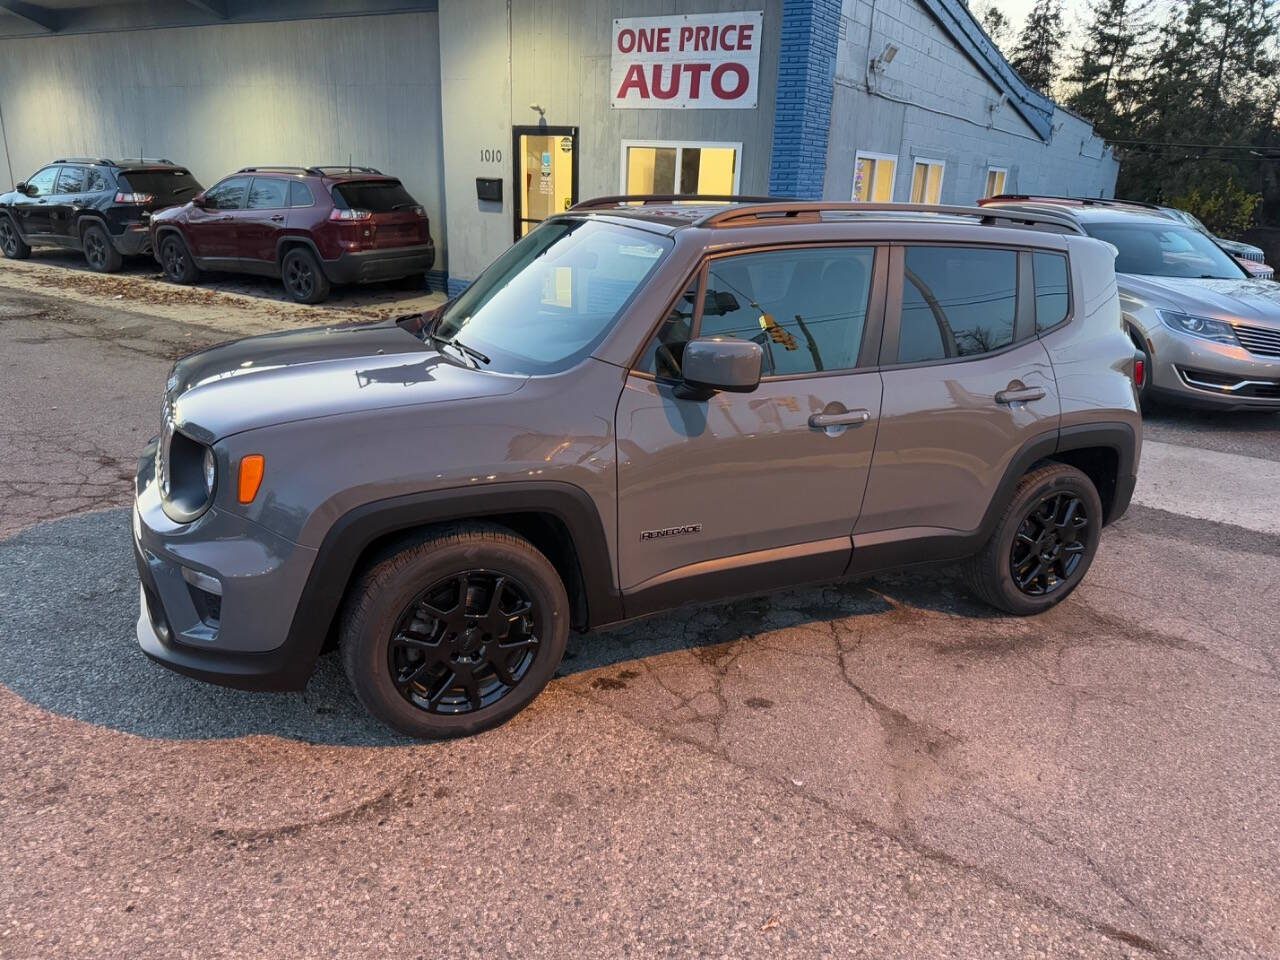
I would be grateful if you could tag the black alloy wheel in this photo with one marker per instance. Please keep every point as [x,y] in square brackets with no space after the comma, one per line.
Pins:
[1049,545]
[95,249]
[464,643]
[8,238]
[300,278]
[174,257]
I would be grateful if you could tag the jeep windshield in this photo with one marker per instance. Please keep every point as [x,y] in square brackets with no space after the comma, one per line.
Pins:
[549,300]
[1158,249]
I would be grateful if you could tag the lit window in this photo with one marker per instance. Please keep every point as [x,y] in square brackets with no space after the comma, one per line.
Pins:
[680,168]
[926,181]
[996,177]
[873,177]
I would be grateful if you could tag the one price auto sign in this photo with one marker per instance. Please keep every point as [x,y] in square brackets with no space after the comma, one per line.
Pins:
[693,62]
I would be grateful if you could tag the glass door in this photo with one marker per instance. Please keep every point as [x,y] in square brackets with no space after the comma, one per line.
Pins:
[546,170]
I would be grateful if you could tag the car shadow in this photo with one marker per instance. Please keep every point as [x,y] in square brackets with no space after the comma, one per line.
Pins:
[69,607]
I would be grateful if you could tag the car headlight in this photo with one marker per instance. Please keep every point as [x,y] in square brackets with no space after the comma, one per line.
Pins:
[191,471]
[1219,331]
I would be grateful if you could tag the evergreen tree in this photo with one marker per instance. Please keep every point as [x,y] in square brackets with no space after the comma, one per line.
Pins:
[1107,69]
[995,22]
[1036,55]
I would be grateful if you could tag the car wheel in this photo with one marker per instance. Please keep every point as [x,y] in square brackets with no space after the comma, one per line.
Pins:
[176,260]
[455,633]
[98,250]
[11,243]
[1043,545]
[304,281]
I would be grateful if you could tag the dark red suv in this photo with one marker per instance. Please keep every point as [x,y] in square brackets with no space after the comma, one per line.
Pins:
[310,226]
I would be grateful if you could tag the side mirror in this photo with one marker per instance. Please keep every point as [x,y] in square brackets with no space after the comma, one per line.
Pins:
[21,187]
[719,363]
[198,201]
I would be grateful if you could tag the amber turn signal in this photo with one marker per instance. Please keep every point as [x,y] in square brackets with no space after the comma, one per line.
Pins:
[251,469]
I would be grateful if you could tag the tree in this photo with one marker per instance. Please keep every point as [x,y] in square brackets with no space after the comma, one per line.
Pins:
[995,22]
[1036,55]
[1105,72]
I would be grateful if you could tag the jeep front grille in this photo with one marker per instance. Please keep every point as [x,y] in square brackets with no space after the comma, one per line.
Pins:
[1259,340]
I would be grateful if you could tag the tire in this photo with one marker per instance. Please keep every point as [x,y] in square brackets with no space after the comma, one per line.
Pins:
[176,261]
[11,243]
[446,677]
[99,252]
[304,280]
[990,573]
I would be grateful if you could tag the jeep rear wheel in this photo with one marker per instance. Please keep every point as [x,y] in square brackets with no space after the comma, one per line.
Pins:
[11,243]
[1043,545]
[99,252]
[304,280]
[455,633]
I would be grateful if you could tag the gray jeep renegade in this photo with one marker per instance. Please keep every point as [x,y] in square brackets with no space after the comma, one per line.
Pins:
[637,406]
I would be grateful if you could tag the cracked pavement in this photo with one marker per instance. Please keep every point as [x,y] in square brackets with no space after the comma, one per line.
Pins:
[880,769]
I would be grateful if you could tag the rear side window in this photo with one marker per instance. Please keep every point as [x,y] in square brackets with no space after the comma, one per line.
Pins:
[1052,297]
[167,186]
[300,195]
[227,195]
[268,194]
[96,181]
[71,180]
[382,196]
[956,302]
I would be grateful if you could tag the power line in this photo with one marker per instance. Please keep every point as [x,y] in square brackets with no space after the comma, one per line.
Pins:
[1257,149]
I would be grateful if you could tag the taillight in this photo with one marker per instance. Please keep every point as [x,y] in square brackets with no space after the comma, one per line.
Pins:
[1139,371]
[134,197]
[336,214]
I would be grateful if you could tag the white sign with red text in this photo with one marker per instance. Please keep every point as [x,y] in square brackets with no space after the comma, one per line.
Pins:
[698,61]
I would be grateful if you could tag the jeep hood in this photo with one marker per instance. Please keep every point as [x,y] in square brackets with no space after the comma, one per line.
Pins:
[304,374]
[1254,302]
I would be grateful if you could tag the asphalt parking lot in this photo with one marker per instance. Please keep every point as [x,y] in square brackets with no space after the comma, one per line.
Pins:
[882,769]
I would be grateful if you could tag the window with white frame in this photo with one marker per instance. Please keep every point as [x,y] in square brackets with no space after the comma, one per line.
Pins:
[873,175]
[926,181]
[996,177]
[667,167]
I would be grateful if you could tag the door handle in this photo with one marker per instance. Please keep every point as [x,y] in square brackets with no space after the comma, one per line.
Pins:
[1020,394]
[277,219]
[822,420]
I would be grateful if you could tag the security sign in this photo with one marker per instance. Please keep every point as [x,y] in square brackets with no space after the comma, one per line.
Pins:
[692,62]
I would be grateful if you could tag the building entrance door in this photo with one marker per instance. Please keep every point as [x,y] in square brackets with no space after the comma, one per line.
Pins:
[546,171]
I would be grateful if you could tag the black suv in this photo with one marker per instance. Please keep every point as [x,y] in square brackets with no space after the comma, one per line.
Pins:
[102,207]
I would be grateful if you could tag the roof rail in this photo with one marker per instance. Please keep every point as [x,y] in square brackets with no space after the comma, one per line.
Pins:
[645,199]
[344,168]
[97,160]
[812,212]
[131,160]
[1083,201]
[274,168]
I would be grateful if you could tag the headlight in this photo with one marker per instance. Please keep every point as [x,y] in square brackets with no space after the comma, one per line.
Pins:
[210,470]
[192,472]
[1218,331]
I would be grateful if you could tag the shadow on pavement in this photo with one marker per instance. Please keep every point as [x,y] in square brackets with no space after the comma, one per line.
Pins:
[69,606]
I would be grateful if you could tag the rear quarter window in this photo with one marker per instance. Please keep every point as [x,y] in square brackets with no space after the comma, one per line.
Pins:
[1053,298]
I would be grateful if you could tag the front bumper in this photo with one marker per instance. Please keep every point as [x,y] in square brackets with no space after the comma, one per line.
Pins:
[240,638]
[1196,372]
[369,266]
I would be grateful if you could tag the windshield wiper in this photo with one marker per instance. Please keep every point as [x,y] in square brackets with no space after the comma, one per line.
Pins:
[471,354]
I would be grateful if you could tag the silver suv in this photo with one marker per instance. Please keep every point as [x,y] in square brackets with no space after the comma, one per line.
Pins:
[1208,332]
[637,406]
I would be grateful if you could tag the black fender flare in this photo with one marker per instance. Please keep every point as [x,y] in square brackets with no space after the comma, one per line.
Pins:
[352,534]
[297,240]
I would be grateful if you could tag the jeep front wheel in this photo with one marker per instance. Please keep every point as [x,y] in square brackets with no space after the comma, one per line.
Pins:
[11,242]
[455,633]
[1043,545]
[176,261]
